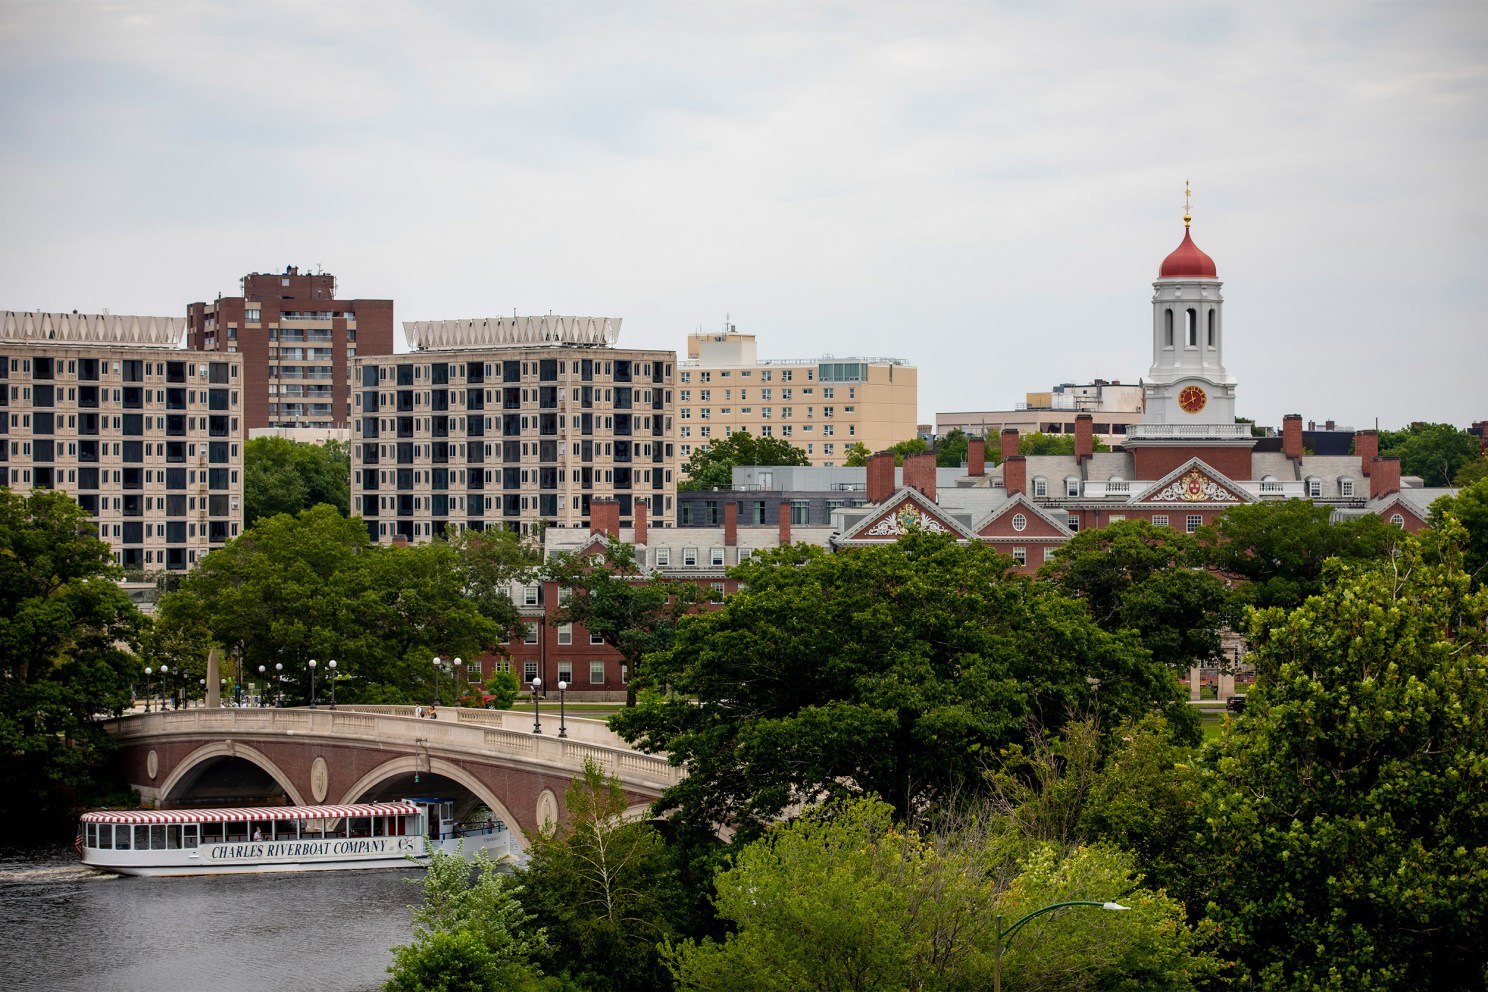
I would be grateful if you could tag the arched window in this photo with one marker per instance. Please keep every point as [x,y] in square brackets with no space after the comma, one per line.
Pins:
[1211,328]
[1397,520]
[1019,521]
[1168,328]
[1190,328]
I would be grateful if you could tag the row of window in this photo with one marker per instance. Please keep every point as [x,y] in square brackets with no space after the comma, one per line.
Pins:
[543,370]
[42,367]
[706,395]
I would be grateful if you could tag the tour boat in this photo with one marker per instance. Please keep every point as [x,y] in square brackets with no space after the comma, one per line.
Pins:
[281,838]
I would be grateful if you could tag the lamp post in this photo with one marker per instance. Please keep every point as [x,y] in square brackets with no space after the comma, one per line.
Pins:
[536,713]
[455,678]
[436,680]
[164,673]
[149,687]
[203,683]
[562,727]
[279,682]
[331,676]
[312,683]
[262,671]
[1003,936]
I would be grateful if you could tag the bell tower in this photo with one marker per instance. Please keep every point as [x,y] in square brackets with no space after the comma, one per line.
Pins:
[1187,384]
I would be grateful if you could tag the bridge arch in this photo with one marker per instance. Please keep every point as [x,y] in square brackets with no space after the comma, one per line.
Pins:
[188,765]
[429,765]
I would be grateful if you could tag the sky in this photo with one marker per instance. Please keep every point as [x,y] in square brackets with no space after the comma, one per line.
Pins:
[984,190]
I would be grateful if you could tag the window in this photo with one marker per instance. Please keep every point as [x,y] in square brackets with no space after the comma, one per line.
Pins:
[1397,520]
[1168,328]
[1072,488]
[1314,488]
[1049,552]
[529,595]
[565,633]
[1190,328]
[1194,522]
[596,639]
[663,557]
[1020,522]
[1346,488]
[689,557]
[1159,520]
[596,673]
[565,672]
[1041,488]
[1211,328]
[716,557]
[1073,523]
[1020,555]
[1116,518]
[530,635]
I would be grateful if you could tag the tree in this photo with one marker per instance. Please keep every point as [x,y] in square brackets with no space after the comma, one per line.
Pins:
[470,934]
[857,455]
[951,449]
[283,476]
[606,891]
[913,446]
[1470,509]
[842,898]
[712,465]
[1280,548]
[634,613]
[64,626]
[1345,815]
[493,560]
[503,689]
[1435,452]
[1039,443]
[1134,576]
[891,670]
[1474,471]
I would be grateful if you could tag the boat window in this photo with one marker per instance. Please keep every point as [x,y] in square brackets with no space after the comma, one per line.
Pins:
[212,833]
[237,831]
[157,837]
[121,837]
[173,837]
[188,835]
[361,826]
[90,835]
[379,826]
[142,837]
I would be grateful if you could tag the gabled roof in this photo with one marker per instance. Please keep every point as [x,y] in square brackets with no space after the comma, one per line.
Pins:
[1191,484]
[906,510]
[1041,524]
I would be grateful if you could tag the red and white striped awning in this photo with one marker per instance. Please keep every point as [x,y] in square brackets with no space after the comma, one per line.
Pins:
[251,813]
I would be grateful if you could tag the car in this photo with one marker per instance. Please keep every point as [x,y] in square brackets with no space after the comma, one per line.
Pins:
[1236,704]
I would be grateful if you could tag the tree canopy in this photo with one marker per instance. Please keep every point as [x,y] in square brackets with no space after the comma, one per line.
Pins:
[1435,452]
[284,476]
[712,465]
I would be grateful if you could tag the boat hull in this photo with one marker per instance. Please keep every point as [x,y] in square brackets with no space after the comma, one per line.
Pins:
[296,856]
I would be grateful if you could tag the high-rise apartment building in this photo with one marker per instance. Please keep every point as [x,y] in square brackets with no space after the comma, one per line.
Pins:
[510,423]
[144,435]
[296,340]
[822,406]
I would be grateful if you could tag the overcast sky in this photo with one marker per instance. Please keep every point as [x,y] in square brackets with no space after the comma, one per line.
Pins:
[984,190]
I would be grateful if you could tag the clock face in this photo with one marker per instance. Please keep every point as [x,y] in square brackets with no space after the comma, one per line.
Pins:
[1192,399]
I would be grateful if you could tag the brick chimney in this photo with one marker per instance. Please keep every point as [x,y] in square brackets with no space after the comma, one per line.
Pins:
[919,473]
[1084,437]
[880,476]
[1009,442]
[1384,479]
[640,520]
[1015,474]
[1291,436]
[1366,446]
[785,535]
[731,524]
[976,457]
[604,517]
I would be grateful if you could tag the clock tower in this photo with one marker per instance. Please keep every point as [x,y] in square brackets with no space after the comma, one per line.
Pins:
[1187,384]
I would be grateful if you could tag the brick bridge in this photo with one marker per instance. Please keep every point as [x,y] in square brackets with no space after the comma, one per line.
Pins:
[487,758]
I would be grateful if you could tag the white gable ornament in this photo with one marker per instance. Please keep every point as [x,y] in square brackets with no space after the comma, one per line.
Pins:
[903,520]
[1195,487]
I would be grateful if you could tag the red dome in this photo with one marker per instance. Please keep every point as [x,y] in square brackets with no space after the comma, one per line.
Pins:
[1187,262]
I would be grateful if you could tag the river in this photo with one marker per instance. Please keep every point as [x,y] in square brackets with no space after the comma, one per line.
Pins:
[67,927]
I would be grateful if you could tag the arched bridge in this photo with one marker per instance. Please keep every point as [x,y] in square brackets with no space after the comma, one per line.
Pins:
[487,758]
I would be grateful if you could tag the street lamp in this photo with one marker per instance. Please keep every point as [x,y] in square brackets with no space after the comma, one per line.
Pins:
[164,672]
[1003,936]
[149,688]
[312,683]
[455,679]
[262,671]
[562,727]
[436,680]
[331,676]
[536,713]
[203,684]
[279,682]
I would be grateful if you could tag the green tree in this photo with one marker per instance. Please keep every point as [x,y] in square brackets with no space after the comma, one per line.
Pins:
[283,476]
[606,891]
[712,465]
[471,933]
[64,625]
[635,614]
[493,560]
[1279,549]
[1435,452]
[503,689]
[1134,576]
[951,448]
[1346,813]
[891,670]
[913,446]
[1470,509]
[857,455]
[1474,471]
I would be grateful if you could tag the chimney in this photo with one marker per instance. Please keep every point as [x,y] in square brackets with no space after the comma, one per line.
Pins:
[1009,442]
[731,524]
[785,535]
[1084,437]
[604,517]
[1015,474]
[640,520]
[1291,436]
[1329,425]
[1366,446]
[976,457]
[1384,479]
[880,476]
[919,473]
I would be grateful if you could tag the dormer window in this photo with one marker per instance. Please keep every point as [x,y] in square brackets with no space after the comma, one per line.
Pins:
[1346,487]
[1072,488]
[1314,488]
[1040,488]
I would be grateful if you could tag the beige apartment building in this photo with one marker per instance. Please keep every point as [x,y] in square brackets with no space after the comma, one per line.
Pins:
[144,435]
[822,406]
[509,423]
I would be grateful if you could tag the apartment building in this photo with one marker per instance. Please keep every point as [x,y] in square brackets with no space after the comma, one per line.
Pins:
[822,406]
[511,422]
[296,340]
[144,435]
[1114,406]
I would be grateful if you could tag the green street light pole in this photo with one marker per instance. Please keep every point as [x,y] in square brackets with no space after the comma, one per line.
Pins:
[1003,936]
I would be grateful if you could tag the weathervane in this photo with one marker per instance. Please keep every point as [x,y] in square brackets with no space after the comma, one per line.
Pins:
[1186,194]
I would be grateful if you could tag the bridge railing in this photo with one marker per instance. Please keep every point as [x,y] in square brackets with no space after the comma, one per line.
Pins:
[498,733]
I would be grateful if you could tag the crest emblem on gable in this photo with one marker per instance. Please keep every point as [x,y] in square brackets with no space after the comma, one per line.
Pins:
[1195,487]
[906,518]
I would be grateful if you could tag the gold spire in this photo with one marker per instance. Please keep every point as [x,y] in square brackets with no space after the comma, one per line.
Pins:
[1186,194]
